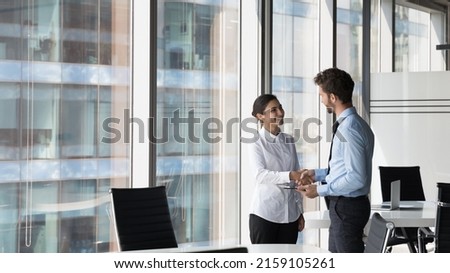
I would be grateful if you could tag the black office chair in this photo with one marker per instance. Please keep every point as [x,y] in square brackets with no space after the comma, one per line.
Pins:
[380,231]
[441,235]
[411,190]
[142,218]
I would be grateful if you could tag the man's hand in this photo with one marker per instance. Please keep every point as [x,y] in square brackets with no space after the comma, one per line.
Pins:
[307,176]
[303,177]
[309,191]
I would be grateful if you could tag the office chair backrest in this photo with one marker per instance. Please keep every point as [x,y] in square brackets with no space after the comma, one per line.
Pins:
[142,218]
[410,179]
[442,229]
[443,192]
[379,233]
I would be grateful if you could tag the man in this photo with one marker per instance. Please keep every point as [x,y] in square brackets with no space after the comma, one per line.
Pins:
[345,184]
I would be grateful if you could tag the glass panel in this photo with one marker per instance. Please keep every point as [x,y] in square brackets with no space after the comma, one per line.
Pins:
[40,122]
[295,63]
[38,216]
[78,226]
[78,111]
[9,208]
[104,113]
[197,115]
[80,31]
[13,30]
[411,39]
[9,127]
[349,43]
[374,34]
[44,22]
[30,33]
[57,162]
[106,27]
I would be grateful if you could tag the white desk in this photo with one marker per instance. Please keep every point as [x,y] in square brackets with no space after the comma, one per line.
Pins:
[260,248]
[408,217]
[284,248]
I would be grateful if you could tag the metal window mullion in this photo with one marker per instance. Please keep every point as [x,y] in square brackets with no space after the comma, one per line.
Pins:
[153,53]
[266,52]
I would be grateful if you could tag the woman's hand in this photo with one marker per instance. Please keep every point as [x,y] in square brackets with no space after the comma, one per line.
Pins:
[301,223]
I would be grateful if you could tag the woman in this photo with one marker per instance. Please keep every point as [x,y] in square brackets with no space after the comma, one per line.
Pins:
[276,208]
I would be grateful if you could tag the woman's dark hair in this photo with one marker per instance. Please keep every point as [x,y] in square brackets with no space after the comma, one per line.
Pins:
[336,81]
[261,102]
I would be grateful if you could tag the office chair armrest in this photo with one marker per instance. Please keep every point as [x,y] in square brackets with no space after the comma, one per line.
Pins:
[425,232]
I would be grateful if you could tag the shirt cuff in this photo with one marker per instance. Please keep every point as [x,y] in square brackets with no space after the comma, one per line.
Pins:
[320,174]
[322,190]
[285,176]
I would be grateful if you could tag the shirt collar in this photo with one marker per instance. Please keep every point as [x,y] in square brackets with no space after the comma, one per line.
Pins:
[347,112]
[268,135]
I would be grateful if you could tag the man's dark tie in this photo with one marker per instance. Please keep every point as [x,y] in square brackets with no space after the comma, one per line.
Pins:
[335,126]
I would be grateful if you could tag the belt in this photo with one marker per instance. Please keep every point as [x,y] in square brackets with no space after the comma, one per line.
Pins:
[345,197]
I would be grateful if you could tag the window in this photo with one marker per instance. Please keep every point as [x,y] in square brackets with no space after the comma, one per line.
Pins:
[417,33]
[411,39]
[349,43]
[66,69]
[295,59]
[197,118]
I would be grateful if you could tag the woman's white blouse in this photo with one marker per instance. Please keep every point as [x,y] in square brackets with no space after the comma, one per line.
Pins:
[271,159]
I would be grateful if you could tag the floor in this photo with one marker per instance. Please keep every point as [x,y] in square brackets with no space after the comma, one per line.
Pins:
[404,248]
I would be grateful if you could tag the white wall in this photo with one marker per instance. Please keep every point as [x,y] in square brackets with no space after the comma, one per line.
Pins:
[410,114]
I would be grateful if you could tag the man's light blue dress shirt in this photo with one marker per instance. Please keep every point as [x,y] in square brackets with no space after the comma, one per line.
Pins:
[351,162]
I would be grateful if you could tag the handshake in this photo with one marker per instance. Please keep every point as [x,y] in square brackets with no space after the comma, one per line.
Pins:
[302,177]
[304,180]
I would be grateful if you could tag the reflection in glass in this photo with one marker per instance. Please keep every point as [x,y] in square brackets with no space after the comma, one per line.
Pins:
[411,39]
[295,63]
[81,35]
[40,121]
[197,155]
[295,58]
[78,110]
[374,33]
[9,127]
[65,69]
[349,43]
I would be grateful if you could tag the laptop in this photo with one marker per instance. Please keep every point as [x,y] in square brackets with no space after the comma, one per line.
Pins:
[395,198]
